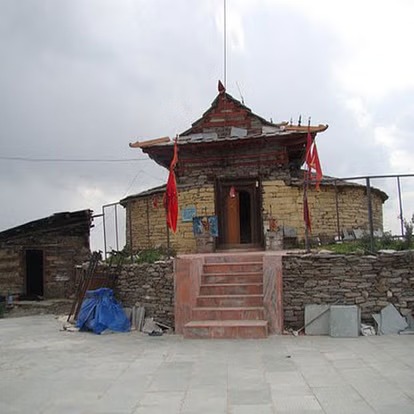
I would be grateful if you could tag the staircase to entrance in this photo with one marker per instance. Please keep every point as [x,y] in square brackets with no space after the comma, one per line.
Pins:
[223,296]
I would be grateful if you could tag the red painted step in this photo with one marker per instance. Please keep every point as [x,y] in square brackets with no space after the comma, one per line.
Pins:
[230,300]
[231,289]
[247,329]
[232,267]
[234,258]
[246,277]
[222,314]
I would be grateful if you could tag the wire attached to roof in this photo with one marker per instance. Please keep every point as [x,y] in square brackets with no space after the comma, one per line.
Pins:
[30,159]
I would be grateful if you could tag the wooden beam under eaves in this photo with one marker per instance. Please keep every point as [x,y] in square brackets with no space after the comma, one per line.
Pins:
[150,143]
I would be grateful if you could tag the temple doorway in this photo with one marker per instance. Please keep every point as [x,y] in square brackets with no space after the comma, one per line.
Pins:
[238,209]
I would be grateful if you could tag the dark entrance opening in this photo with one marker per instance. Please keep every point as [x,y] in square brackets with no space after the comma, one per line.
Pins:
[238,206]
[34,273]
[245,217]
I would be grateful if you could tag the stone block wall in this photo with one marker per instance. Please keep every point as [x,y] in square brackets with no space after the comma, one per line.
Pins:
[146,215]
[283,202]
[286,204]
[371,282]
[60,256]
[60,260]
[149,223]
[11,276]
[151,286]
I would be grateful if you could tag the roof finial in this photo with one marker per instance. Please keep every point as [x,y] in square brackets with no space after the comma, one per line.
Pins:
[221,87]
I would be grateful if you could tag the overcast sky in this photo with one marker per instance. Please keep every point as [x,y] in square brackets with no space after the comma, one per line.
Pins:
[80,79]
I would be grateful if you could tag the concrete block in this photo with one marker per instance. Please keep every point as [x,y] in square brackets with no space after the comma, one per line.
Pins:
[317,319]
[344,321]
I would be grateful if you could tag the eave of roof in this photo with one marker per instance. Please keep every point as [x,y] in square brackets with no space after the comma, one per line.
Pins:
[150,191]
[162,153]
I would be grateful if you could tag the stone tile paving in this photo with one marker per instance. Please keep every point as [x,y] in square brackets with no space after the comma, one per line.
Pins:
[45,370]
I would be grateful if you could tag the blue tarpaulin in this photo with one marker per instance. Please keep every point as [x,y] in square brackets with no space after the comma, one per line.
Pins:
[100,311]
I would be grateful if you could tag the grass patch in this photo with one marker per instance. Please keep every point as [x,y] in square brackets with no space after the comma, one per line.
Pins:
[363,246]
[142,256]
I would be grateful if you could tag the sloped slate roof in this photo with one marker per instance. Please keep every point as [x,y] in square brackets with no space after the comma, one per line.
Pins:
[229,120]
[81,220]
[242,134]
[150,191]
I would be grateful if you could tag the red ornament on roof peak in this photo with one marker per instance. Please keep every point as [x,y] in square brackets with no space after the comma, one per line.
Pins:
[221,87]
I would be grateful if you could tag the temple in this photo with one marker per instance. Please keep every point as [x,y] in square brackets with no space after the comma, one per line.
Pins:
[240,186]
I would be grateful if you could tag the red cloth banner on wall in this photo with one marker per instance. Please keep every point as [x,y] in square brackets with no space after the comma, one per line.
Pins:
[171,195]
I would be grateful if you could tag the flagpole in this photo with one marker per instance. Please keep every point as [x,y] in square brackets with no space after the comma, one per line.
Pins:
[168,236]
[305,201]
[225,43]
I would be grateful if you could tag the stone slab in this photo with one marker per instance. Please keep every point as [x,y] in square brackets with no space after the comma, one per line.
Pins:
[344,321]
[317,319]
[48,371]
[391,321]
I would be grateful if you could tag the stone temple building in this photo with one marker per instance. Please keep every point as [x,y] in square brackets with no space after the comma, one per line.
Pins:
[240,185]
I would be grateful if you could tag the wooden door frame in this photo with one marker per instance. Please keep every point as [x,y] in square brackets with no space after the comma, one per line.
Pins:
[256,214]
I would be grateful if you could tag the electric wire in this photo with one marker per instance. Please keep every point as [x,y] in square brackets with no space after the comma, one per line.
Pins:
[30,159]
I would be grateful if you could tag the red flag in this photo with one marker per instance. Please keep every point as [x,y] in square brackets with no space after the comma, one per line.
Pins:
[308,158]
[312,160]
[316,165]
[171,196]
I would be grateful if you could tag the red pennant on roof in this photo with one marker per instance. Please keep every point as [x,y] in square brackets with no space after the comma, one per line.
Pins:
[171,195]
[312,160]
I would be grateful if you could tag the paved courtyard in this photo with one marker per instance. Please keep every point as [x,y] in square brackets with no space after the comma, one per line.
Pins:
[45,370]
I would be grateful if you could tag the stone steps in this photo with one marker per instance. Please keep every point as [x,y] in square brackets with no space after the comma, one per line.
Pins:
[232,313]
[231,329]
[232,267]
[245,277]
[234,258]
[230,299]
[231,289]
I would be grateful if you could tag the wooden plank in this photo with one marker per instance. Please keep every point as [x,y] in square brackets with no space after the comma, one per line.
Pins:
[149,143]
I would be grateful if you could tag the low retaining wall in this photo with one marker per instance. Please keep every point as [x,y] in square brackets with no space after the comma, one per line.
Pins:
[149,285]
[371,282]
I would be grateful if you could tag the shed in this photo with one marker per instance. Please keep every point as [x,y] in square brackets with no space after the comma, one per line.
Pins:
[38,259]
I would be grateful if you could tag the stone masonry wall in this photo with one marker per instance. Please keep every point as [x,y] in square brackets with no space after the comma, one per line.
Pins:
[147,214]
[60,256]
[149,285]
[371,282]
[286,204]
[11,276]
[149,225]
